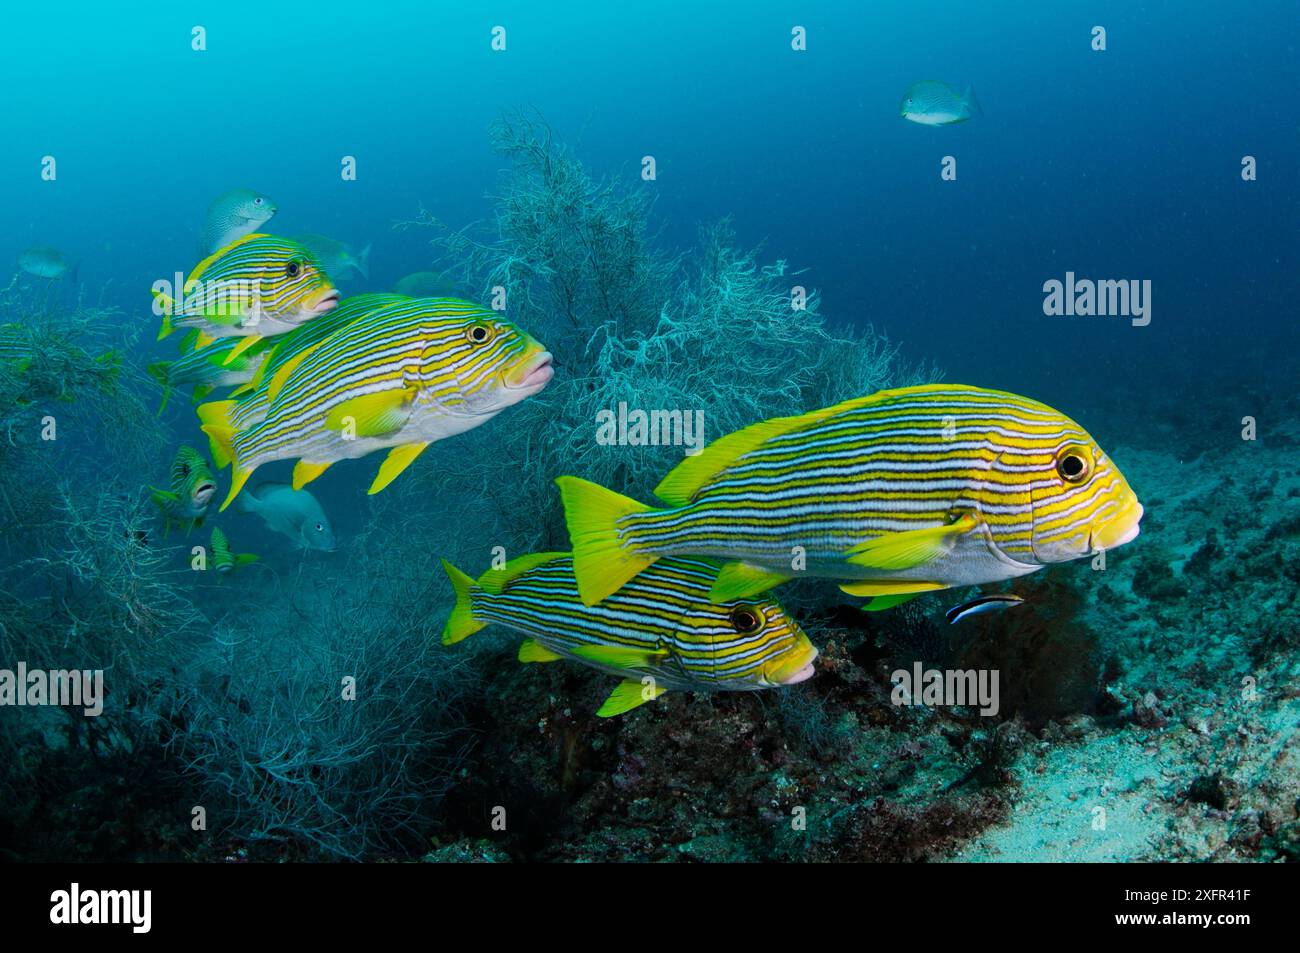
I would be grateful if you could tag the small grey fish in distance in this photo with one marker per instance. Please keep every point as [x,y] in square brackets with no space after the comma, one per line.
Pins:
[233,215]
[295,513]
[337,258]
[932,103]
[426,284]
[45,262]
[982,604]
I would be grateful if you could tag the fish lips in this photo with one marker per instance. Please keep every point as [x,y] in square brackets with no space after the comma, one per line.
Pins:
[798,668]
[326,302]
[203,493]
[534,375]
[1120,530]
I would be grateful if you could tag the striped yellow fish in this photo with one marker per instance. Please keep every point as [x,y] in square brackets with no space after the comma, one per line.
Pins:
[289,350]
[206,368]
[192,489]
[223,560]
[401,378]
[902,492]
[257,286]
[659,632]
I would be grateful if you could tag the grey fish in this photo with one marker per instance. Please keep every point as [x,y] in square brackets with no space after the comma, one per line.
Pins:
[337,258]
[238,213]
[295,513]
[45,262]
[981,604]
[426,284]
[932,103]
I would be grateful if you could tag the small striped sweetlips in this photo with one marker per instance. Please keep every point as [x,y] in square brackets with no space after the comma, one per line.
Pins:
[397,378]
[659,632]
[257,286]
[898,493]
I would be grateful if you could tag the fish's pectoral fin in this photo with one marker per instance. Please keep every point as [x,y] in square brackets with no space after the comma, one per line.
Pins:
[629,694]
[202,340]
[530,650]
[304,472]
[372,415]
[619,656]
[910,548]
[741,580]
[890,587]
[162,497]
[398,459]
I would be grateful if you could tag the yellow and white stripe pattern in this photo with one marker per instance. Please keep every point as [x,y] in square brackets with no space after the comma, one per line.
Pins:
[662,624]
[986,485]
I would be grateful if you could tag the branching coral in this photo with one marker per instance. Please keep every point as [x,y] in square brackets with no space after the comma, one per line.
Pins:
[716,334]
[330,723]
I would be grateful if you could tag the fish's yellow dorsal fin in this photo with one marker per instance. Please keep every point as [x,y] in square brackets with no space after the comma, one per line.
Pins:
[686,479]
[495,580]
[530,650]
[628,695]
[206,263]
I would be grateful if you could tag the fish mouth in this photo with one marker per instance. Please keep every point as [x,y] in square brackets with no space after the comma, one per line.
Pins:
[1120,529]
[326,302]
[534,375]
[203,493]
[797,668]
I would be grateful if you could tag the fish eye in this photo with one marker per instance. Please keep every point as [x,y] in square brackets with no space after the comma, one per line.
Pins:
[292,269]
[746,619]
[1074,464]
[257,201]
[320,528]
[478,334]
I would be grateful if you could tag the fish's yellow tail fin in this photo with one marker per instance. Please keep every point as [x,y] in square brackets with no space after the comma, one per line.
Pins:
[215,418]
[221,436]
[601,562]
[461,624]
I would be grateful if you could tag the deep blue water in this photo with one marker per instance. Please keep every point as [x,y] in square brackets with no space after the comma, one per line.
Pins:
[1122,164]
[1115,164]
